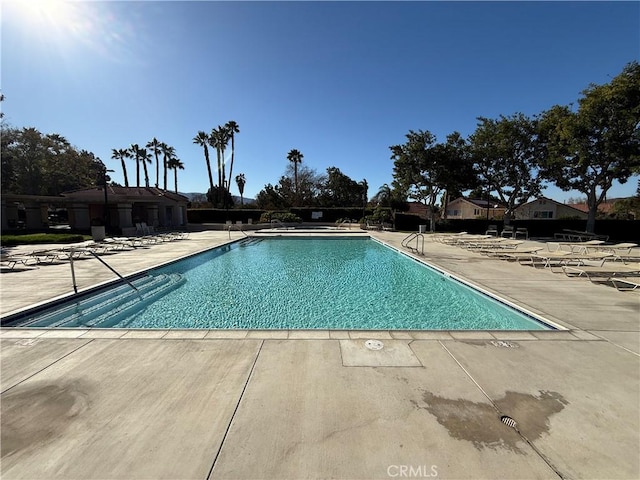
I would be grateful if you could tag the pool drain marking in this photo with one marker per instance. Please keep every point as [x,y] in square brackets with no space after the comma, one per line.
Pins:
[509,422]
[374,344]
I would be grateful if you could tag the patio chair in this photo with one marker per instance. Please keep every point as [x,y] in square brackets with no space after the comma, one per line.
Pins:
[492,230]
[522,232]
[508,231]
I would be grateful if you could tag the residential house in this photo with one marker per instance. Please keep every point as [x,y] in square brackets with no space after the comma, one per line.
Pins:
[544,208]
[468,208]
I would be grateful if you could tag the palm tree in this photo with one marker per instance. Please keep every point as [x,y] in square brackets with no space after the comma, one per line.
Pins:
[174,163]
[203,139]
[145,157]
[240,180]
[232,128]
[219,139]
[121,154]
[134,151]
[154,147]
[167,153]
[295,157]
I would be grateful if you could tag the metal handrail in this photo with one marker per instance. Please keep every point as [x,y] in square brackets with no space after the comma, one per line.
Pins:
[417,237]
[73,272]
[237,228]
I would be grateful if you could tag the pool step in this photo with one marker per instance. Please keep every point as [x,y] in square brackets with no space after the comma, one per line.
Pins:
[247,242]
[97,309]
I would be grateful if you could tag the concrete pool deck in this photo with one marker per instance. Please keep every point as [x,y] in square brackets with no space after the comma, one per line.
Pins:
[132,404]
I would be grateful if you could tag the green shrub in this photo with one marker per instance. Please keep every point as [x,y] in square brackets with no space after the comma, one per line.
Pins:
[39,238]
[284,217]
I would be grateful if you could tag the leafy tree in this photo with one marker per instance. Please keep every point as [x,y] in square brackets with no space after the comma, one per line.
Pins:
[588,148]
[270,199]
[121,154]
[37,164]
[505,155]
[219,197]
[203,139]
[295,157]
[338,190]
[425,169]
[240,181]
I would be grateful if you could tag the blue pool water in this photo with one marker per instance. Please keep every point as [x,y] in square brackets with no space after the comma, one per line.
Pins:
[292,283]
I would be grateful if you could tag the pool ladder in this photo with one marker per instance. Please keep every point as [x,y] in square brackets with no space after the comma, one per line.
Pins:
[419,239]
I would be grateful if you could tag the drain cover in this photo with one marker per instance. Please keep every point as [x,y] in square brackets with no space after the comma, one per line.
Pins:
[374,344]
[503,344]
[508,421]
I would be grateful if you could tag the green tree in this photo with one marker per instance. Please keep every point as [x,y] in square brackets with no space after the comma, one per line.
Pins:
[424,169]
[338,190]
[588,148]
[37,164]
[295,157]
[204,140]
[505,154]
[154,147]
[241,181]
[122,154]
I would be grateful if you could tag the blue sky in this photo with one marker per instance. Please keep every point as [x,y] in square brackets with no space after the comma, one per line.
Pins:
[339,81]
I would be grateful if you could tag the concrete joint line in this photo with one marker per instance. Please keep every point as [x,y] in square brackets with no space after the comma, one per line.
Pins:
[47,366]
[235,410]
[500,414]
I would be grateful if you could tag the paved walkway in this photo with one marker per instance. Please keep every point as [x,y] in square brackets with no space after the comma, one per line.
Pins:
[318,404]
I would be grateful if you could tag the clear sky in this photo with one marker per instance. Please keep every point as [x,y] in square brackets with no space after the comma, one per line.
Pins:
[339,81]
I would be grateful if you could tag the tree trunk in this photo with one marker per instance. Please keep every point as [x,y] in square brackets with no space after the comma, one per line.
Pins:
[175,177]
[593,209]
[124,172]
[158,171]
[206,157]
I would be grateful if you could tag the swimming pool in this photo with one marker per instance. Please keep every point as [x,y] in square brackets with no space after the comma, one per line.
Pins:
[290,283]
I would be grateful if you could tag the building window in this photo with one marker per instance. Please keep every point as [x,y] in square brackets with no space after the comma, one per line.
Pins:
[453,213]
[543,214]
[476,211]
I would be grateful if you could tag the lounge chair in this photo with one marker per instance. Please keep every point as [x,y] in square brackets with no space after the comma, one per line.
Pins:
[625,284]
[606,271]
[560,258]
[575,247]
[49,255]
[10,261]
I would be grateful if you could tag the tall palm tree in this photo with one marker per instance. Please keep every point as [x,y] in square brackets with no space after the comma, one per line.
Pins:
[220,139]
[174,163]
[134,151]
[154,147]
[214,141]
[232,128]
[295,157]
[145,157]
[203,139]
[121,154]
[240,180]
[167,153]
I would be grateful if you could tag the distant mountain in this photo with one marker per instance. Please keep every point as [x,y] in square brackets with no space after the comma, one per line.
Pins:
[195,195]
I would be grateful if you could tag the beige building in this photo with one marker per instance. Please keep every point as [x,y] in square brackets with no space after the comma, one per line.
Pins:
[467,208]
[120,207]
[544,208]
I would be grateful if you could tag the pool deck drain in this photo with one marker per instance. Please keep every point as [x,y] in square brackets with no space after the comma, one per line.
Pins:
[284,404]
